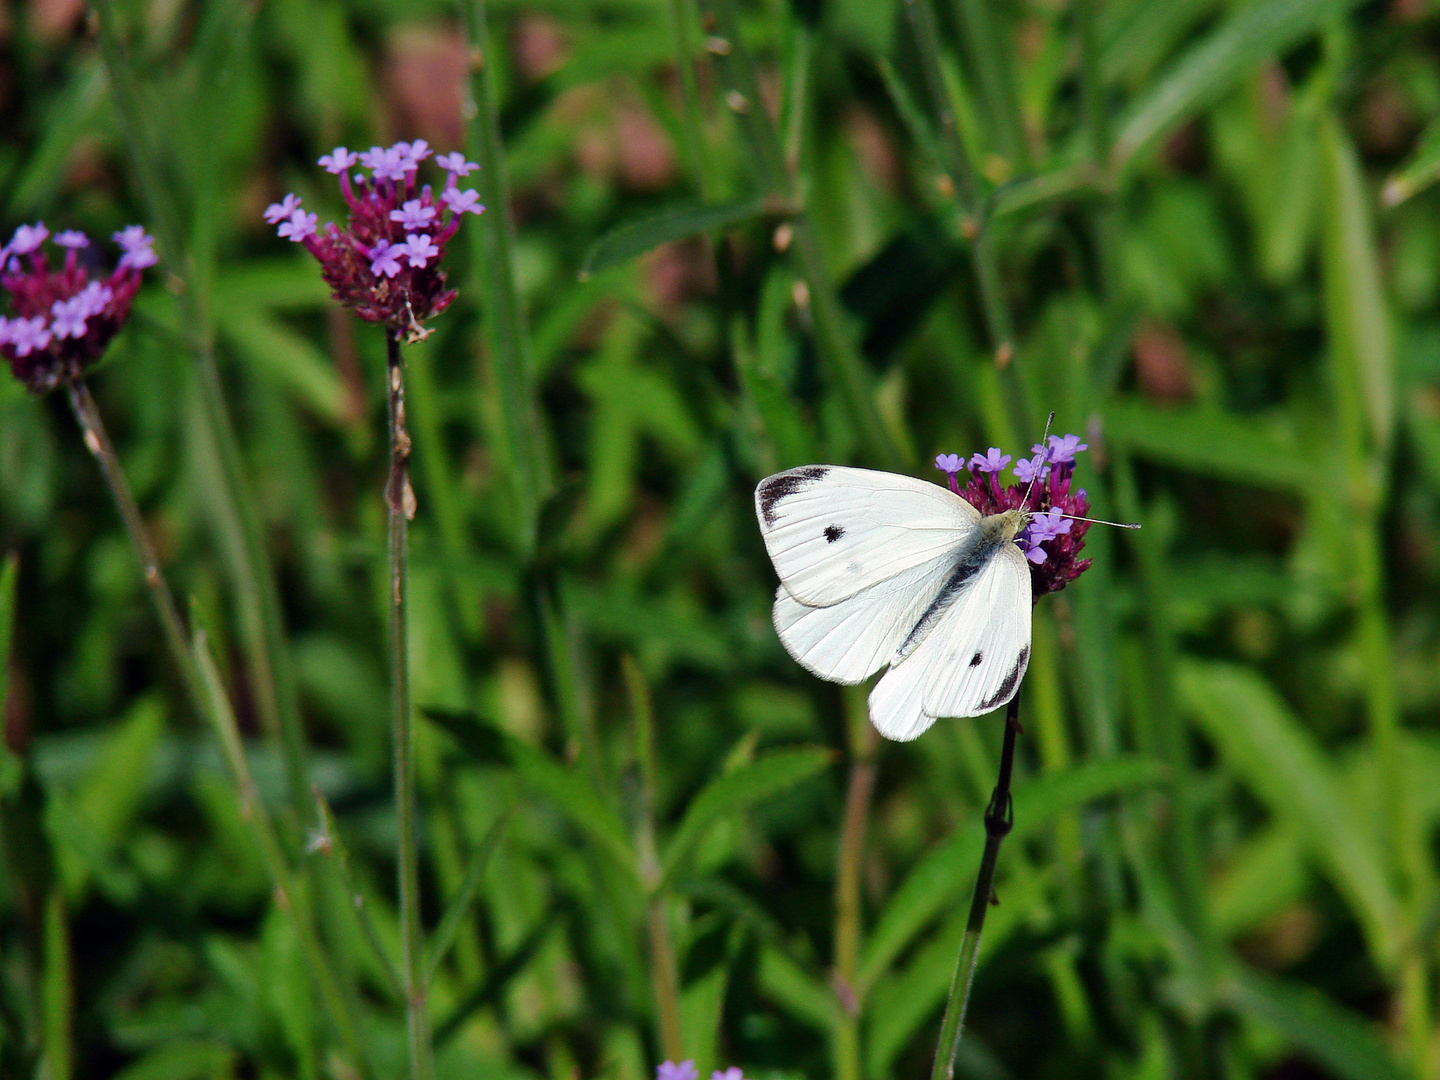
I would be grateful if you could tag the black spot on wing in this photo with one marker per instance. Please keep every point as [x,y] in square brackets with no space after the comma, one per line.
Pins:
[834,532]
[782,485]
[1007,688]
[975,660]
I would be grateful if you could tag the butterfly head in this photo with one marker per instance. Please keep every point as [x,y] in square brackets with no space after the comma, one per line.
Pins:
[1008,524]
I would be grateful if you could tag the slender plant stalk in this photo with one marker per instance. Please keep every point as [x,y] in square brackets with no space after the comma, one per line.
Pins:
[504,317]
[240,533]
[664,970]
[291,896]
[999,818]
[991,56]
[863,746]
[399,509]
[693,128]
[208,697]
[834,338]
[998,324]
[97,441]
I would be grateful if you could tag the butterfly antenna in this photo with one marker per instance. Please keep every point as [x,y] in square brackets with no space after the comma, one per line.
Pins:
[1036,476]
[1102,521]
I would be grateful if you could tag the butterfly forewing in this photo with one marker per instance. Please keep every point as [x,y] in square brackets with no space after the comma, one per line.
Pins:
[833,531]
[971,659]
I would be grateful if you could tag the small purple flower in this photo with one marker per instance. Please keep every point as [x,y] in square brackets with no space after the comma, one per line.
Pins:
[455,164]
[70,316]
[372,158]
[5,330]
[413,215]
[1062,449]
[72,238]
[391,164]
[280,211]
[990,462]
[95,298]
[461,201]
[336,162]
[668,1070]
[1030,470]
[28,238]
[413,153]
[299,226]
[419,249]
[29,335]
[1042,527]
[138,246]
[385,258]
[732,1073]
[950,464]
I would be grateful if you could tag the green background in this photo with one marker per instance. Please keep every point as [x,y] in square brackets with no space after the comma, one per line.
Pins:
[1201,232]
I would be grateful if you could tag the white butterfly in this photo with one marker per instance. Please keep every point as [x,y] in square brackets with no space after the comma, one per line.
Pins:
[878,569]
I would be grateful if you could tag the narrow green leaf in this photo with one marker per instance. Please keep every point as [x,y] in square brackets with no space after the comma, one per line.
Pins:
[735,792]
[182,1059]
[1216,62]
[1357,320]
[287,358]
[1345,1043]
[57,992]
[941,878]
[806,998]
[1260,450]
[1280,762]
[675,223]
[454,917]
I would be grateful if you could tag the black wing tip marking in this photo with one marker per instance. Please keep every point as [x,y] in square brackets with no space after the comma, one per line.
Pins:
[975,660]
[782,485]
[1007,688]
[834,532]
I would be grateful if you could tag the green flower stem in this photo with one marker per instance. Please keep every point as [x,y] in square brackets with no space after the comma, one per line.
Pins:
[399,509]
[834,338]
[864,744]
[999,818]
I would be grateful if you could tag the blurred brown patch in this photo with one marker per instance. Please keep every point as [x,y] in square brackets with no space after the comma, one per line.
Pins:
[16,712]
[89,167]
[1387,119]
[1274,97]
[1409,10]
[6,22]
[617,141]
[1162,364]
[677,272]
[55,20]
[540,46]
[425,69]
[1284,939]
[872,146]
[1184,150]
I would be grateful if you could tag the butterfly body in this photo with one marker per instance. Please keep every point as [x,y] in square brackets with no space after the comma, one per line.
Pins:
[879,570]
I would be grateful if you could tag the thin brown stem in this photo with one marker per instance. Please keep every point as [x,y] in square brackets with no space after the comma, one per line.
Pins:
[97,441]
[400,508]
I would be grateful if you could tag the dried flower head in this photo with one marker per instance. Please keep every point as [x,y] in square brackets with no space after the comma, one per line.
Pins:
[1051,542]
[385,262]
[63,318]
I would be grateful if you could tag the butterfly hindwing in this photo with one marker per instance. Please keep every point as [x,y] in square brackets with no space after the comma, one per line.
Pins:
[834,531]
[971,659]
[850,641]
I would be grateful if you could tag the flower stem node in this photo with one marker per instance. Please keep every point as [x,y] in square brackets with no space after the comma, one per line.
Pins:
[64,318]
[385,263]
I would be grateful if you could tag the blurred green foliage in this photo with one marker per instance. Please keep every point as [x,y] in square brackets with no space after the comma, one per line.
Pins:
[1204,233]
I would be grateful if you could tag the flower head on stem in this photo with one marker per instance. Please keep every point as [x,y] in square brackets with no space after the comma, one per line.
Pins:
[1051,540]
[64,318]
[385,263]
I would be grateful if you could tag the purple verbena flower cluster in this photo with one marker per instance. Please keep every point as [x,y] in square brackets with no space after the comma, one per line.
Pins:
[385,263]
[686,1070]
[64,319]
[1051,542]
